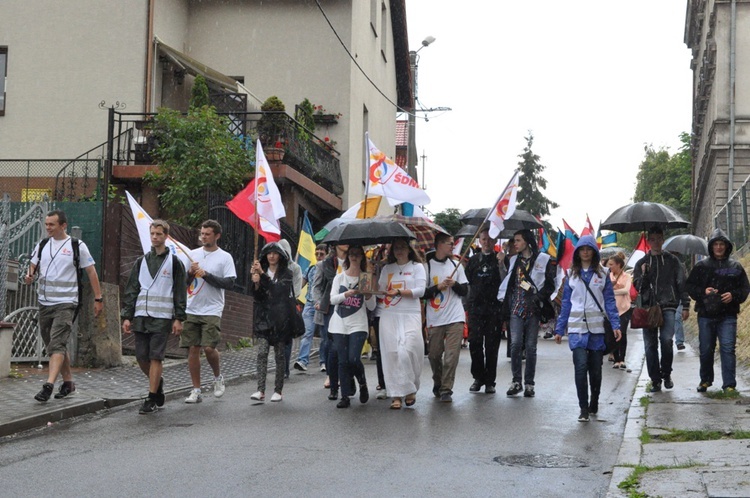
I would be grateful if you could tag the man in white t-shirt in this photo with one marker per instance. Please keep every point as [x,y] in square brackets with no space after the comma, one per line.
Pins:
[446,284]
[211,273]
[58,297]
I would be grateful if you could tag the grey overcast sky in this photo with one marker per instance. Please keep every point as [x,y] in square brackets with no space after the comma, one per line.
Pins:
[594,81]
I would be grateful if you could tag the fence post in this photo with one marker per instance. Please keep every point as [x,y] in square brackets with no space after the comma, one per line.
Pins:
[4,251]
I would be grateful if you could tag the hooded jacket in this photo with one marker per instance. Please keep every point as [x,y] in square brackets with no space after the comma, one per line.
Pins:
[664,281]
[726,275]
[274,301]
[296,270]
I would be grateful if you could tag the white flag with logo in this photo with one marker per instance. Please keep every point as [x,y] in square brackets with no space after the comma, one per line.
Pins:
[143,224]
[388,179]
[504,208]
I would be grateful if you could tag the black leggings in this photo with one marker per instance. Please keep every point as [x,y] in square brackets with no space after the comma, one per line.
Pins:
[622,344]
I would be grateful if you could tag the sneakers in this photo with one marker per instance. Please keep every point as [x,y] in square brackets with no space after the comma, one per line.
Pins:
[68,388]
[344,403]
[680,347]
[382,395]
[475,387]
[514,389]
[298,365]
[489,389]
[436,390]
[148,406]
[333,395]
[547,335]
[276,397]
[668,382]
[258,396]
[584,416]
[194,397]
[446,398]
[655,387]
[594,406]
[44,395]
[364,394]
[219,386]
[322,367]
[730,390]
[703,387]
[160,398]
[529,391]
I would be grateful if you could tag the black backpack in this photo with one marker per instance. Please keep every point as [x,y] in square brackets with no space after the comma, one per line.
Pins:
[74,242]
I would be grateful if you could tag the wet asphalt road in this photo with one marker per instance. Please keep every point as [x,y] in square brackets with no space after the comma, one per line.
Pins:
[480,445]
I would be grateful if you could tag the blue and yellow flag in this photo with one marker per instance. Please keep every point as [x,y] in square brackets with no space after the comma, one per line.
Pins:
[609,240]
[305,251]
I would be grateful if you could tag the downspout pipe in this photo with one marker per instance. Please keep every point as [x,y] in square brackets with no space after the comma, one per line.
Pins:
[149,57]
[732,84]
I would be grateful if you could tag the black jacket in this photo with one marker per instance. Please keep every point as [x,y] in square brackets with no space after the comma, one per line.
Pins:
[485,277]
[664,281]
[726,275]
[274,300]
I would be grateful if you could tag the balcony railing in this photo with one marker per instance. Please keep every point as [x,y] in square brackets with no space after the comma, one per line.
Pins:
[302,150]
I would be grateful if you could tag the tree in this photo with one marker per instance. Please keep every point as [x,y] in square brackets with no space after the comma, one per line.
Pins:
[199,93]
[532,183]
[449,219]
[666,179]
[196,153]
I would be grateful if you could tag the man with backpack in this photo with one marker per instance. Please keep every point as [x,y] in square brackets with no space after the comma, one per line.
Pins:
[59,260]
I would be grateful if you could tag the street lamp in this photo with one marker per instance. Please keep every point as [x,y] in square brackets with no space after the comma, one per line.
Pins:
[412,160]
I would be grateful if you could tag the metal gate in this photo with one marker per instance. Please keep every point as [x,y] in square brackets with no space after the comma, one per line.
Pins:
[19,233]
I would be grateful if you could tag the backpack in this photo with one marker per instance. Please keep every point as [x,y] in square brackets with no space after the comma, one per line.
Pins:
[74,242]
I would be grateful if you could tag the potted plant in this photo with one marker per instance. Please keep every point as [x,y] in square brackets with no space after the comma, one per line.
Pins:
[271,126]
[322,116]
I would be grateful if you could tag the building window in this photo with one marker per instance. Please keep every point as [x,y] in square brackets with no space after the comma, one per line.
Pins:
[3,77]
[383,31]
[374,17]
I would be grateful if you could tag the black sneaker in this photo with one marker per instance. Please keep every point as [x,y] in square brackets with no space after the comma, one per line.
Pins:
[446,398]
[364,393]
[584,416]
[680,347]
[68,388]
[148,406]
[160,397]
[334,395]
[514,389]
[655,387]
[475,387]
[528,392]
[548,335]
[436,390]
[489,389]
[703,387]
[594,406]
[668,382]
[44,395]
[344,403]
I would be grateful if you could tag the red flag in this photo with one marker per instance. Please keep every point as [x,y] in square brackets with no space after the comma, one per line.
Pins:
[259,204]
[640,250]
[566,244]
[588,229]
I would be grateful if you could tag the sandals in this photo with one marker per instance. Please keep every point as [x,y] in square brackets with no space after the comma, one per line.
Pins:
[411,399]
[396,404]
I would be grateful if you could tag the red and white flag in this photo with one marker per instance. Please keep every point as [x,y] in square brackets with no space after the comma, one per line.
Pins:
[388,179]
[640,250]
[259,204]
[588,228]
[504,207]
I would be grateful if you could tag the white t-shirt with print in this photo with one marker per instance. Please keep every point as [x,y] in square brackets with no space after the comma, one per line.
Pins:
[204,299]
[446,306]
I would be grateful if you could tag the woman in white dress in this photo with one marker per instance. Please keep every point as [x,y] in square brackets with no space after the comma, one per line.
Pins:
[403,281]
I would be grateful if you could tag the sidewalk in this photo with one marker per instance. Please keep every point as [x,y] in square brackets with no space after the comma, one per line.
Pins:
[97,389]
[686,469]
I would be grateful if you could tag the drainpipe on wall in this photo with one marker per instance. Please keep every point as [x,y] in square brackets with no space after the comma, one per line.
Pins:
[732,71]
[149,56]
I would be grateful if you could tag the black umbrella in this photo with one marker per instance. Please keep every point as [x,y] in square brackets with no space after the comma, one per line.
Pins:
[686,244]
[640,216]
[519,220]
[470,230]
[367,232]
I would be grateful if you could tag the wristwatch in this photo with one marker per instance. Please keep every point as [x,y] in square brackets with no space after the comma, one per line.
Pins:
[398,292]
[99,299]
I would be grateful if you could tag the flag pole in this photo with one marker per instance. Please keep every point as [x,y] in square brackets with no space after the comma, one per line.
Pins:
[367,171]
[179,247]
[479,228]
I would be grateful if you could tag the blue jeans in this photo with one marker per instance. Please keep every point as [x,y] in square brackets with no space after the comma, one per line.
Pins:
[679,331]
[308,315]
[349,348]
[725,329]
[652,338]
[523,331]
[588,370]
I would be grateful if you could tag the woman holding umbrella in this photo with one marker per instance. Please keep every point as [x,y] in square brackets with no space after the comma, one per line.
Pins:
[403,281]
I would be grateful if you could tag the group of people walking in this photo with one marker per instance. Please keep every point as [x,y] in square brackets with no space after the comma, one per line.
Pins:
[494,294]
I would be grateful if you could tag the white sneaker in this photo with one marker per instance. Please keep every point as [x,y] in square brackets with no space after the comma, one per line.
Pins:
[258,396]
[276,397]
[322,367]
[298,365]
[382,395]
[195,396]
[219,386]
